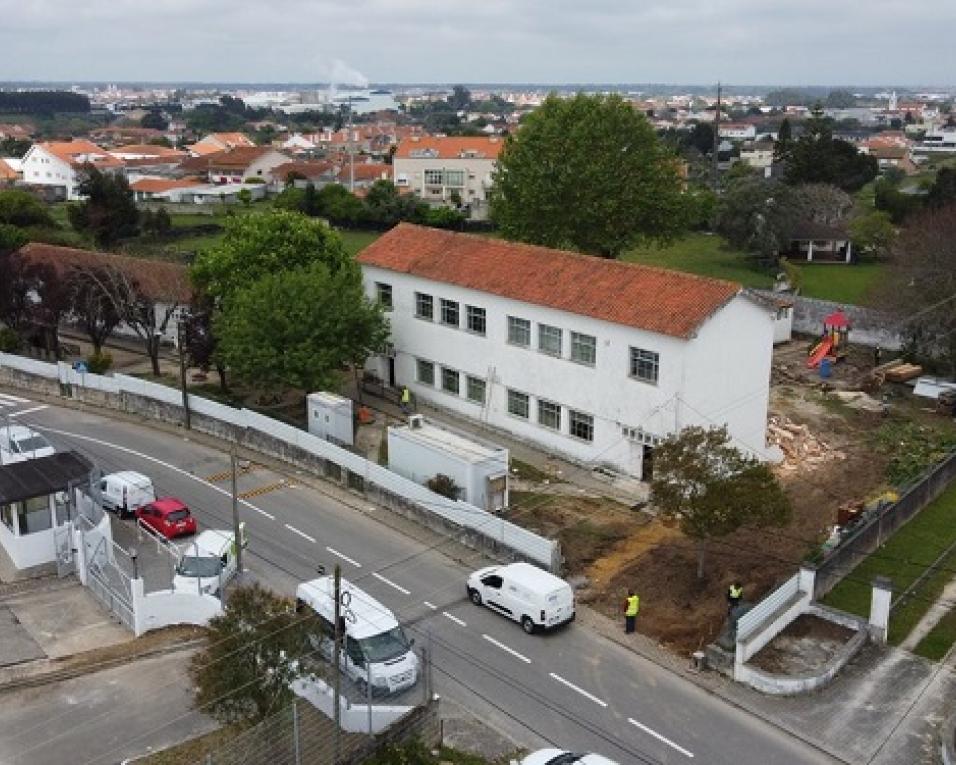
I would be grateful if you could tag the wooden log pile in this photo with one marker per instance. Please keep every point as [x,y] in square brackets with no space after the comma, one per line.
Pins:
[802,450]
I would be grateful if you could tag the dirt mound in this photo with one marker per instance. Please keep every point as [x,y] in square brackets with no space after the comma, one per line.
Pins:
[802,449]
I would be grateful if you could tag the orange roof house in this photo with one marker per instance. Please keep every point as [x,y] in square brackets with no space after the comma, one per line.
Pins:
[219,142]
[446,147]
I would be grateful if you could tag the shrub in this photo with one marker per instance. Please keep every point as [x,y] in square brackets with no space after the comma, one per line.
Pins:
[444,485]
[9,341]
[99,363]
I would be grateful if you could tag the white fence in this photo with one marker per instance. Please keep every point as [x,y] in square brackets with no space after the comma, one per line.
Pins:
[770,616]
[459,514]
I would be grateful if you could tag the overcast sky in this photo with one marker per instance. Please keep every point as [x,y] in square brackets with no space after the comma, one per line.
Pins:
[817,42]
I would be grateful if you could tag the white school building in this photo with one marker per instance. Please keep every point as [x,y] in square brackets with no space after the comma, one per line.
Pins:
[591,359]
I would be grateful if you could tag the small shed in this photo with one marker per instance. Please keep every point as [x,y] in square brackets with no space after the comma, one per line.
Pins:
[420,451]
[330,417]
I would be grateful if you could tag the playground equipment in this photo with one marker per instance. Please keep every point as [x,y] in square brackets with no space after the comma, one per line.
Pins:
[833,343]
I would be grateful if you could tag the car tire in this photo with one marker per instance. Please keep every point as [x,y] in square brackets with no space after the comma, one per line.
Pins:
[475,597]
[527,625]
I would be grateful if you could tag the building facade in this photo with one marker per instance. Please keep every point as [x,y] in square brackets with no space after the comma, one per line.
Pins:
[448,171]
[591,359]
[59,165]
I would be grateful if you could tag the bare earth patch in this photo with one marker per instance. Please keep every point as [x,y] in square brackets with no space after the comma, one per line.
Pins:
[805,645]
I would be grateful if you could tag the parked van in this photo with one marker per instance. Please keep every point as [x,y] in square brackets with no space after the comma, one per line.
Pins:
[125,492]
[374,640]
[19,443]
[207,564]
[524,593]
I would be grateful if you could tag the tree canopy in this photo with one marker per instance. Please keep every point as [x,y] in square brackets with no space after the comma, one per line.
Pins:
[817,157]
[109,211]
[21,208]
[712,489]
[587,173]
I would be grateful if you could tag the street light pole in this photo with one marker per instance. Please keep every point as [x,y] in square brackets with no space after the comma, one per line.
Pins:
[336,679]
[182,372]
[236,526]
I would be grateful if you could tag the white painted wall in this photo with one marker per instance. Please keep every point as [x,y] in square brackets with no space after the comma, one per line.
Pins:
[354,717]
[29,550]
[41,168]
[409,172]
[160,609]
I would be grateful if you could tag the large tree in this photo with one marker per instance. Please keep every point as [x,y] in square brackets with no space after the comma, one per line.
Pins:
[713,489]
[299,328]
[587,173]
[109,211]
[92,308]
[817,157]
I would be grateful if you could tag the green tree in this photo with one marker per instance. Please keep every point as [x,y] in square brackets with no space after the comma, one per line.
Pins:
[873,233]
[299,328]
[712,489]
[757,215]
[154,119]
[244,196]
[587,173]
[943,190]
[109,212]
[784,138]
[386,206]
[263,243]
[818,157]
[21,208]
[255,650]
[339,205]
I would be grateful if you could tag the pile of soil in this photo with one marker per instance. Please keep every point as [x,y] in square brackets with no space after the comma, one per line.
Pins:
[807,644]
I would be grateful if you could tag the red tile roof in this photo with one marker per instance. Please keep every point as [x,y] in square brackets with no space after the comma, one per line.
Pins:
[653,299]
[238,158]
[80,152]
[447,147]
[157,185]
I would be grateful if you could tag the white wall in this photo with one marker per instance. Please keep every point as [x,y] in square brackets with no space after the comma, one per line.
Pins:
[161,609]
[354,717]
[30,550]
[478,172]
[44,169]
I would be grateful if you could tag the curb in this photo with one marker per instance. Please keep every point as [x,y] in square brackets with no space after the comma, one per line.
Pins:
[947,744]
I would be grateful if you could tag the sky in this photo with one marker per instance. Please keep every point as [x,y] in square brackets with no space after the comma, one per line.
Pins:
[748,42]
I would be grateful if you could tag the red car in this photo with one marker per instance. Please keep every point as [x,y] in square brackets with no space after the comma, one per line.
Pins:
[167,516]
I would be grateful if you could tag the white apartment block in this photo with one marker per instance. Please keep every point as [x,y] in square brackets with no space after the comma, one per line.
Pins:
[442,170]
[60,164]
[737,131]
[589,359]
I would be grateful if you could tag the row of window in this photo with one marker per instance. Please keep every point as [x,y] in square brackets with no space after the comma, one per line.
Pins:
[549,415]
[450,381]
[643,365]
[445,178]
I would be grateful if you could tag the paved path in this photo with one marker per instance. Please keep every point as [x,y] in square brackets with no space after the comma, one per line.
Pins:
[939,609]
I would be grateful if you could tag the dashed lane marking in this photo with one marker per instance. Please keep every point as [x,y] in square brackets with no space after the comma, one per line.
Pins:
[344,557]
[390,583]
[455,619]
[506,649]
[659,737]
[302,534]
[583,692]
[432,606]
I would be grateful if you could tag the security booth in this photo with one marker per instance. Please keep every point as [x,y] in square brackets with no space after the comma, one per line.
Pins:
[35,503]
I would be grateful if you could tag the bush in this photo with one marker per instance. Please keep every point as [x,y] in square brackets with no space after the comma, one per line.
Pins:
[914,449]
[99,363]
[444,485]
[9,341]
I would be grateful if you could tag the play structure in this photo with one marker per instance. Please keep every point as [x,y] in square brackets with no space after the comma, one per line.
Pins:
[833,343]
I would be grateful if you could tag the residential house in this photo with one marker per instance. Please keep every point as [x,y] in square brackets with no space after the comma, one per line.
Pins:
[148,188]
[11,170]
[757,154]
[448,171]
[59,165]
[738,131]
[941,140]
[15,132]
[216,142]
[35,506]
[891,149]
[596,360]
[821,242]
[240,164]
[361,175]
[143,160]
[317,172]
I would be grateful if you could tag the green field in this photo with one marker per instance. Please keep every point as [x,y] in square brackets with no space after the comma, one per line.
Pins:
[842,283]
[356,241]
[903,559]
[705,255]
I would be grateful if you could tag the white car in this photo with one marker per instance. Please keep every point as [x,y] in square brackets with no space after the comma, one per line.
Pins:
[19,443]
[529,595]
[207,564]
[562,757]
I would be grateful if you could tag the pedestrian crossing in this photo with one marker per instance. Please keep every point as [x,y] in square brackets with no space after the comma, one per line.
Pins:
[17,406]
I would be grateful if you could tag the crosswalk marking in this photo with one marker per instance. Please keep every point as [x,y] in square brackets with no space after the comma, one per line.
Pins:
[15,399]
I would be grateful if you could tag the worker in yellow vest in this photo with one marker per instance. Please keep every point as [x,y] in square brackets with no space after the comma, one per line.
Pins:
[734,594]
[406,399]
[632,605]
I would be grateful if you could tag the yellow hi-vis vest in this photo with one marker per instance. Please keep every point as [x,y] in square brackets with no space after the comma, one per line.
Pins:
[406,395]
[633,604]
[736,592]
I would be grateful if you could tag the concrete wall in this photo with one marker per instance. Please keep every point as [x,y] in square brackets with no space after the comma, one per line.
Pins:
[155,610]
[354,717]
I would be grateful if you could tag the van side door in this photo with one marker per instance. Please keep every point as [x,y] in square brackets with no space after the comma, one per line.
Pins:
[493,593]
[354,658]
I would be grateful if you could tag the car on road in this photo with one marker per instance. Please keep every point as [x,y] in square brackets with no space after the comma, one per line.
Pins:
[168,517]
[125,492]
[207,563]
[562,757]
[19,443]
[524,593]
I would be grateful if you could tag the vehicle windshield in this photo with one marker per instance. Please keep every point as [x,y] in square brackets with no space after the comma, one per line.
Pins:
[385,646]
[202,566]
[30,444]
[177,515]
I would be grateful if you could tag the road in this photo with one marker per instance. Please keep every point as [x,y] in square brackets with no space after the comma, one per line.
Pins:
[572,689]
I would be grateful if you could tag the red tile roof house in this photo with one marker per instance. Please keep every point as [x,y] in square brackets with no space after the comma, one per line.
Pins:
[242,163]
[60,164]
[594,360]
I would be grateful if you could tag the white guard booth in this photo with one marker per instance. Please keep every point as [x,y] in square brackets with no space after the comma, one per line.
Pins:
[330,417]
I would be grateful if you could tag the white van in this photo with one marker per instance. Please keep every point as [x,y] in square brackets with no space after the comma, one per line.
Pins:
[374,640]
[126,491]
[524,593]
[207,563]
[19,443]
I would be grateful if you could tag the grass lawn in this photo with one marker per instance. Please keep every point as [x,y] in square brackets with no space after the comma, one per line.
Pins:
[705,255]
[903,558]
[841,283]
[940,639]
[356,241]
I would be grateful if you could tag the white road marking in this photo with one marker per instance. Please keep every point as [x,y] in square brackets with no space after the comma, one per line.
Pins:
[29,411]
[432,606]
[302,534]
[150,458]
[505,648]
[390,583]
[583,692]
[660,738]
[346,558]
[455,619]
[11,397]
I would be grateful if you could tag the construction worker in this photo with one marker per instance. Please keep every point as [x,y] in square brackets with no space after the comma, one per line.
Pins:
[734,593]
[877,356]
[632,605]
[406,401]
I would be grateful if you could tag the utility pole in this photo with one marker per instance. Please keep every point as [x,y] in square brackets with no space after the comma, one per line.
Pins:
[717,142]
[236,526]
[351,152]
[182,371]
[336,674]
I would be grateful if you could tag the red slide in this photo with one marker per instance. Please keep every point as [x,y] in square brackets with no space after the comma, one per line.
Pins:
[822,349]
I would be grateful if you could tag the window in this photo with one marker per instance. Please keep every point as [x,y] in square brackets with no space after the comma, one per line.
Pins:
[449,381]
[384,292]
[583,348]
[475,319]
[425,372]
[34,515]
[519,331]
[581,425]
[549,339]
[449,312]
[644,365]
[433,177]
[7,513]
[549,414]
[424,306]
[518,404]
[455,178]
[475,389]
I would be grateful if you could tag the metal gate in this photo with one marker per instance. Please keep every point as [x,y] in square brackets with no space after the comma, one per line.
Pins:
[110,585]
[63,546]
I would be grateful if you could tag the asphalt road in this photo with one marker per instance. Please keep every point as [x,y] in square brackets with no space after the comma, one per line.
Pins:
[572,689]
